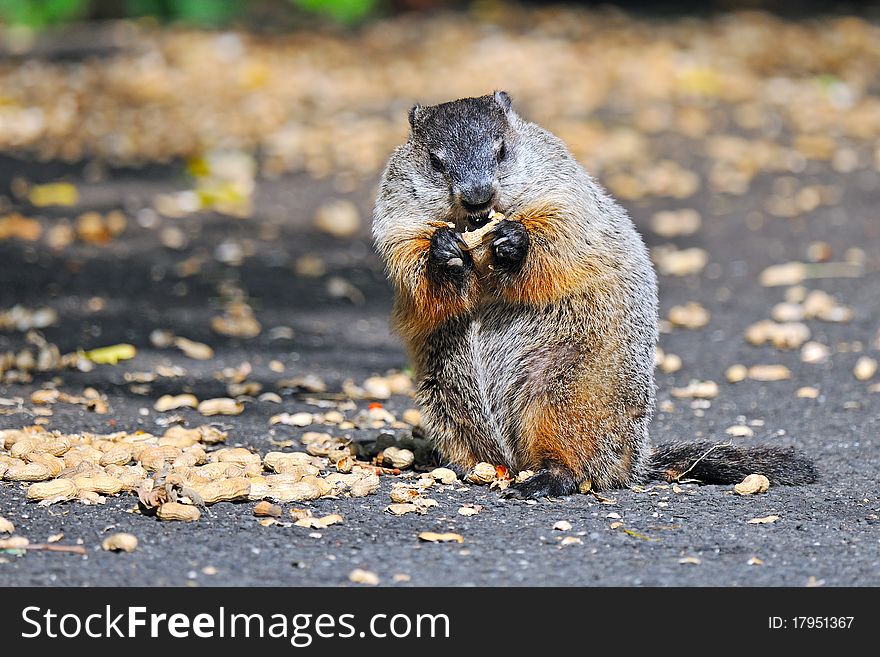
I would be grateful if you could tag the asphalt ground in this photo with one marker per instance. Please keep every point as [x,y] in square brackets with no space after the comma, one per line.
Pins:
[827,533]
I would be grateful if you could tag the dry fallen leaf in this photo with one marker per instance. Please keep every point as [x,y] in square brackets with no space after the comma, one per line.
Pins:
[111,355]
[433,537]
[402,508]
[766,520]
[319,523]
[59,193]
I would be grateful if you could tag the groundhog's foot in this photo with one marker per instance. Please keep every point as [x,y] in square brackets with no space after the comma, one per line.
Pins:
[448,257]
[510,244]
[544,483]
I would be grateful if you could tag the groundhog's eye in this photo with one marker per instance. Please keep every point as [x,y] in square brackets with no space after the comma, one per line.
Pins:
[502,151]
[436,162]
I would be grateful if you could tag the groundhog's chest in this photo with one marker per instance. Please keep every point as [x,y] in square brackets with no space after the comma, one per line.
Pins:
[510,347]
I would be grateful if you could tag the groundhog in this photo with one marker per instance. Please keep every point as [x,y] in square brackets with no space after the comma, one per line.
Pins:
[539,356]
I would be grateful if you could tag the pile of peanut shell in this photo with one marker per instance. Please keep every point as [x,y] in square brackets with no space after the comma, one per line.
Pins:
[179,472]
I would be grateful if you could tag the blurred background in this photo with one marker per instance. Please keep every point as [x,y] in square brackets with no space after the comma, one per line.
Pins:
[206,168]
[185,199]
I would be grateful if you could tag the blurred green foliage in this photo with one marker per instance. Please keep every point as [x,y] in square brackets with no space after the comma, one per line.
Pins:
[41,13]
[342,11]
[199,12]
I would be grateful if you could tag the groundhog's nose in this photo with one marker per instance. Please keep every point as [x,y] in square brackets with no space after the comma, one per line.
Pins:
[477,196]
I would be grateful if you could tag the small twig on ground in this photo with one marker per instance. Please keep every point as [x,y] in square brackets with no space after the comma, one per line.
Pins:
[694,464]
[323,396]
[48,547]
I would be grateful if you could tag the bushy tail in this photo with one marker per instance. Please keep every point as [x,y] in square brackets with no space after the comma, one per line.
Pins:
[719,463]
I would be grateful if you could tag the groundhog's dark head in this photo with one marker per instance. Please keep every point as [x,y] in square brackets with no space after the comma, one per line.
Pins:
[462,148]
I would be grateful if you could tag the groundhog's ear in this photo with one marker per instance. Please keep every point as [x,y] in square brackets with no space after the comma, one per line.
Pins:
[503,100]
[414,114]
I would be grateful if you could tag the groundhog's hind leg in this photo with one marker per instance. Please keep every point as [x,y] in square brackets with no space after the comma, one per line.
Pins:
[552,450]
[597,434]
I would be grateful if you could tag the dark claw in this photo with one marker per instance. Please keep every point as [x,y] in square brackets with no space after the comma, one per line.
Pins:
[510,245]
[446,245]
[544,483]
[448,258]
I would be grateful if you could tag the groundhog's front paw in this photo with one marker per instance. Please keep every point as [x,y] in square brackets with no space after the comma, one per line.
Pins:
[448,257]
[510,245]
[544,483]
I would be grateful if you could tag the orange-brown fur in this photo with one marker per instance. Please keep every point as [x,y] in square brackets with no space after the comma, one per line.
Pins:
[552,271]
[421,305]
